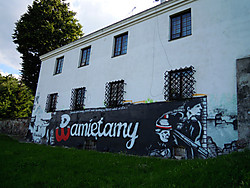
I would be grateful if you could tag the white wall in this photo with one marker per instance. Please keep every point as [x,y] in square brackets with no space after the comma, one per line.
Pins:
[220,35]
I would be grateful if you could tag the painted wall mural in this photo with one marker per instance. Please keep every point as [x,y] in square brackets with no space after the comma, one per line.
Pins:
[97,129]
[176,129]
[182,129]
[39,123]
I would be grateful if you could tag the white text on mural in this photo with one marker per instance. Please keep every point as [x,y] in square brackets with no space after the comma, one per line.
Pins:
[99,129]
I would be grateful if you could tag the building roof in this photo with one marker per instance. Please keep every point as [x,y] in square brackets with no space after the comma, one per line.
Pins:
[115,27]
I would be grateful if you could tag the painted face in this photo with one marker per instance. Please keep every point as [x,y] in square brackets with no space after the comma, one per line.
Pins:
[164,135]
[196,110]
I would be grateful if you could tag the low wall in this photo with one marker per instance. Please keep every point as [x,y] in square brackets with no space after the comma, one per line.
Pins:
[18,127]
[177,129]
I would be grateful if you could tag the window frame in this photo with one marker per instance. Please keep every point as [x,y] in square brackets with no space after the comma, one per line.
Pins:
[181,24]
[86,56]
[114,93]
[122,48]
[179,83]
[74,98]
[59,65]
[51,102]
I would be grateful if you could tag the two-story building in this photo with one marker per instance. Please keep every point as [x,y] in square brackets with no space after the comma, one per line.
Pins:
[162,83]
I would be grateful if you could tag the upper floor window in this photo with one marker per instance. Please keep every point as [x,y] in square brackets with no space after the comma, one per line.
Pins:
[179,84]
[77,98]
[85,55]
[114,93]
[181,25]
[59,65]
[51,102]
[121,42]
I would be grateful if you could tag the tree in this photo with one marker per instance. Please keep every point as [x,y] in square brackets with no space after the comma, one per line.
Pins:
[16,99]
[47,25]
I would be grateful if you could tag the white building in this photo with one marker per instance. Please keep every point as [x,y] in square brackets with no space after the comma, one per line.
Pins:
[194,43]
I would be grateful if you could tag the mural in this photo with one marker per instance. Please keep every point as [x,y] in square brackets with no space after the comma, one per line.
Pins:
[97,129]
[182,128]
[39,123]
[175,129]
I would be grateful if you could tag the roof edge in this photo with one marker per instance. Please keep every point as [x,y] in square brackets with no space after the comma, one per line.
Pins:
[117,26]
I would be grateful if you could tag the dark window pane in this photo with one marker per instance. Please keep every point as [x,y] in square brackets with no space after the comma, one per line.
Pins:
[179,84]
[114,93]
[59,65]
[77,98]
[51,102]
[85,56]
[121,44]
[181,25]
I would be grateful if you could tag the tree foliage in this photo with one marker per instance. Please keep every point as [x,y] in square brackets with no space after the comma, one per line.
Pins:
[16,99]
[47,25]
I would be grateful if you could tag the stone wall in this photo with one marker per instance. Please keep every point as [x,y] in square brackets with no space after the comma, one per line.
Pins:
[243,100]
[18,127]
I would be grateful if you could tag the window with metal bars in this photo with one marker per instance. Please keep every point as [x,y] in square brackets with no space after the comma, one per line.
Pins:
[181,25]
[77,98]
[51,102]
[85,55]
[179,84]
[59,65]
[114,93]
[121,42]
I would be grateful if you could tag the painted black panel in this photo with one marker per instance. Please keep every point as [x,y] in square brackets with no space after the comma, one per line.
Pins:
[164,129]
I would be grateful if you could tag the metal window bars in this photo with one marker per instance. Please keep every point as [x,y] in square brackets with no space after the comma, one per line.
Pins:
[179,83]
[77,98]
[51,102]
[114,93]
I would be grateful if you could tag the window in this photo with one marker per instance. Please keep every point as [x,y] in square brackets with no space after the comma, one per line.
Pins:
[181,25]
[51,102]
[114,93]
[77,98]
[59,65]
[179,84]
[121,44]
[85,54]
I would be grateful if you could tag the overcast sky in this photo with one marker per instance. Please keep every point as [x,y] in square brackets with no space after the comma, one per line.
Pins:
[92,15]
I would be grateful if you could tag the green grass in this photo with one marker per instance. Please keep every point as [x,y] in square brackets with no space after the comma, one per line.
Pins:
[32,165]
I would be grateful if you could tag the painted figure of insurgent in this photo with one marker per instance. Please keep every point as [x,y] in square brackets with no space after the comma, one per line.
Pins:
[182,127]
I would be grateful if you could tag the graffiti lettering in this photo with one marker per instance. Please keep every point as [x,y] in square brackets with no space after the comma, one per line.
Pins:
[61,137]
[98,129]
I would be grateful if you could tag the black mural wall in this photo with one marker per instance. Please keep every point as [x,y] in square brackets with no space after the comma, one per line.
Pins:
[165,129]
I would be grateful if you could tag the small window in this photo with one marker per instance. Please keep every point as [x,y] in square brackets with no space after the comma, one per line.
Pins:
[181,25]
[85,55]
[179,84]
[77,98]
[59,65]
[121,42]
[51,102]
[114,93]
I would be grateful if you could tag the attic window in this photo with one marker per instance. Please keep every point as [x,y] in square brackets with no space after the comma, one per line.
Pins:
[179,84]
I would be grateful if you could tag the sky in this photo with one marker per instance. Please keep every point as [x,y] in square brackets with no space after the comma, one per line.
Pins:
[92,15]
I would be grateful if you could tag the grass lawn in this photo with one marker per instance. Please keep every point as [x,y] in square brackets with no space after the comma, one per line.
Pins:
[32,165]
